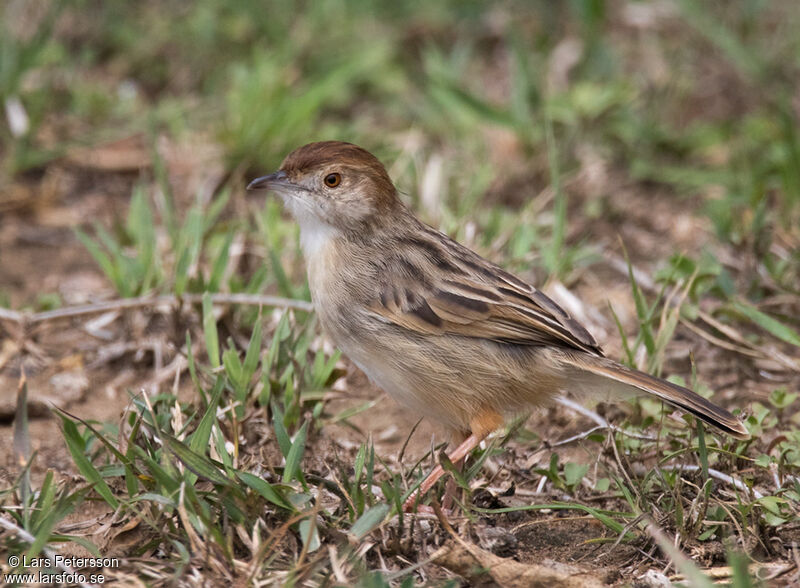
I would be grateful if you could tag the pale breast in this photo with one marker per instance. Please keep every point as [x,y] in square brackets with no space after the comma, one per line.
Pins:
[338,292]
[446,378]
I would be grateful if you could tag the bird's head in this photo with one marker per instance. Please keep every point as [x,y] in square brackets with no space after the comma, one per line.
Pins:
[332,185]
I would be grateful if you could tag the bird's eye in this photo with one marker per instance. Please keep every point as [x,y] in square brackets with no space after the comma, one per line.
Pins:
[333,180]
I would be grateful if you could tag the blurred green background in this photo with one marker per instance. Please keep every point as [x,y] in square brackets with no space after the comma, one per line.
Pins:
[478,108]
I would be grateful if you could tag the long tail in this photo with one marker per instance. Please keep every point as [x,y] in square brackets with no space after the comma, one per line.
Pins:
[601,372]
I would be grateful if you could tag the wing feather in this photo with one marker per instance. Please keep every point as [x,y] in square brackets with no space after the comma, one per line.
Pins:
[463,294]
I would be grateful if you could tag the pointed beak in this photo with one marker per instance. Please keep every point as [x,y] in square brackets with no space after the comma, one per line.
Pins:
[273,180]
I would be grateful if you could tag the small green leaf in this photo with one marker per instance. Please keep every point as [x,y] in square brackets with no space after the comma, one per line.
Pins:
[323,368]
[574,473]
[82,541]
[168,483]
[42,536]
[222,447]
[284,283]
[100,437]
[602,485]
[102,259]
[369,521]
[762,461]
[742,577]
[781,397]
[451,469]
[309,534]
[216,207]
[44,503]
[776,510]
[604,516]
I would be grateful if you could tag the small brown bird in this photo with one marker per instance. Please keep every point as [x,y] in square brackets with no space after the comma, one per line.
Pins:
[440,328]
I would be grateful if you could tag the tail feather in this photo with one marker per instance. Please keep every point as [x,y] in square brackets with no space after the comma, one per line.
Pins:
[677,396]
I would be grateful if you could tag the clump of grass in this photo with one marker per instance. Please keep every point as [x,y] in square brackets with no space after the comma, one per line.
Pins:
[178,467]
[269,113]
[24,54]
[135,263]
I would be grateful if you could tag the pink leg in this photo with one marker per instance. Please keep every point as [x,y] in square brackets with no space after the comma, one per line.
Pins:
[456,456]
[451,488]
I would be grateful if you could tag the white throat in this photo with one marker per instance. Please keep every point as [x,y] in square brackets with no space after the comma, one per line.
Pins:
[315,235]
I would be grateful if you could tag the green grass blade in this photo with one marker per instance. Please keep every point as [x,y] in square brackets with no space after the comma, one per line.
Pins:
[167,482]
[265,489]
[193,368]
[253,351]
[100,437]
[75,445]
[281,435]
[201,436]
[210,331]
[605,517]
[769,324]
[102,259]
[191,237]
[199,464]
[642,311]
[44,503]
[292,469]
[220,263]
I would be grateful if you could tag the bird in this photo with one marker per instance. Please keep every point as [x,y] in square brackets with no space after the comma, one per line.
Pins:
[442,330]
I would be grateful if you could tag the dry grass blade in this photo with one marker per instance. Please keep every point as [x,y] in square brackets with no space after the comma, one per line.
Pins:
[154,301]
[601,422]
[679,560]
[11,315]
[736,336]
